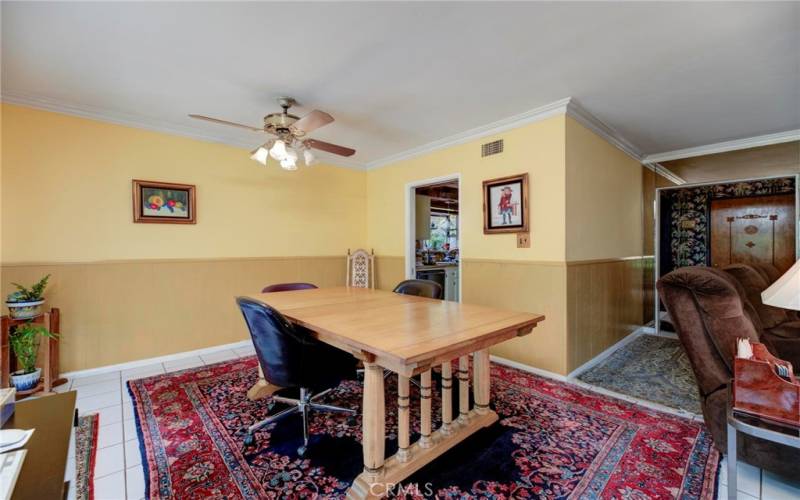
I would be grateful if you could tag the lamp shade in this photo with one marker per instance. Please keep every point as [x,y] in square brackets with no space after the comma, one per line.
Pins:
[785,292]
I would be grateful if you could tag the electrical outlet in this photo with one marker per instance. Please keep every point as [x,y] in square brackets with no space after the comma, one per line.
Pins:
[523,240]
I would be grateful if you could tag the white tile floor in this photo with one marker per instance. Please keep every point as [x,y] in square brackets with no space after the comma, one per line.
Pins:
[118,468]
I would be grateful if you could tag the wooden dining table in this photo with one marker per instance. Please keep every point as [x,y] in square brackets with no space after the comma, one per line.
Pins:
[409,336]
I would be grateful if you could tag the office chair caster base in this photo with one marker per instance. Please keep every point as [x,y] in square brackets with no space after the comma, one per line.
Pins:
[248,442]
[301,451]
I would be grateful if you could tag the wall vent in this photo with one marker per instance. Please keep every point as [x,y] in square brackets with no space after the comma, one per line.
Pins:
[492,148]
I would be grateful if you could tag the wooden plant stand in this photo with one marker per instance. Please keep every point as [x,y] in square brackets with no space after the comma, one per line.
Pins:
[49,362]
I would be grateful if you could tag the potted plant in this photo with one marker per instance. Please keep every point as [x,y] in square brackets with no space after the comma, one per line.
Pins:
[25,344]
[26,302]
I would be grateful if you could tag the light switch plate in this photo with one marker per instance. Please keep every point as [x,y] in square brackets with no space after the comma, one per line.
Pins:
[523,240]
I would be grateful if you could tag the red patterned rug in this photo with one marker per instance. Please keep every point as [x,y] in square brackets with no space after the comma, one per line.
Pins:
[85,454]
[553,440]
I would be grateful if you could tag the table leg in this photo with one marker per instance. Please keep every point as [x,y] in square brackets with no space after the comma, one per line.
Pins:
[381,475]
[463,389]
[481,371]
[370,483]
[425,397]
[374,419]
[403,410]
[447,396]
[260,389]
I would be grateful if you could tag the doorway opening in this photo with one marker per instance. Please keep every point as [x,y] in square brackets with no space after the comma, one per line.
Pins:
[747,221]
[433,233]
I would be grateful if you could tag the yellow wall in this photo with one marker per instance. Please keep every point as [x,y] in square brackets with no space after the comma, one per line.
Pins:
[604,198]
[604,244]
[66,196]
[495,271]
[130,291]
[537,149]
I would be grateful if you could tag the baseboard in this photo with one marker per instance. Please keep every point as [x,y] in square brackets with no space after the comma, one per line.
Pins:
[608,352]
[158,359]
[527,368]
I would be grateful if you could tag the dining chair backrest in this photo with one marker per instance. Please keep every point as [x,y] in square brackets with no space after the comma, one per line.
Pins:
[420,288]
[286,287]
[360,269]
[278,345]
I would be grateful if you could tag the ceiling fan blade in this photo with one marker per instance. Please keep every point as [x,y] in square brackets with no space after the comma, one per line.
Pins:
[312,121]
[330,148]
[226,122]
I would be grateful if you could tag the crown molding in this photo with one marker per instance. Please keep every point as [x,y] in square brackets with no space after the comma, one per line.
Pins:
[141,122]
[666,173]
[534,115]
[588,120]
[722,147]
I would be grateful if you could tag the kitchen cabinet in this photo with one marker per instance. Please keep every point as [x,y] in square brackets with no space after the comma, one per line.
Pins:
[451,283]
[422,221]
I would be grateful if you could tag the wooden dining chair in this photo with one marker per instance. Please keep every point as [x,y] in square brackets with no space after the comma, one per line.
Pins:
[360,269]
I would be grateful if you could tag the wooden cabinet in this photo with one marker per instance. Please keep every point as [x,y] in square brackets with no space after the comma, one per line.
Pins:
[423,217]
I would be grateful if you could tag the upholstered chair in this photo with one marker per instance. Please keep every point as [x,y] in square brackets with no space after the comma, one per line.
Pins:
[291,359]
[780,326]
[709,310]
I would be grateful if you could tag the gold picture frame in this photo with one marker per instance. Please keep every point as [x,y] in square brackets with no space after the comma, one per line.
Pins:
[505,205]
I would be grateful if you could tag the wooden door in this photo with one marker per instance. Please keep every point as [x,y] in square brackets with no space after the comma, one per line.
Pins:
[753,230]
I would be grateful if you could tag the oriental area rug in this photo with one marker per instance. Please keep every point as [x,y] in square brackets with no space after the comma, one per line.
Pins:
[85,455]
[553,440]
[653,368]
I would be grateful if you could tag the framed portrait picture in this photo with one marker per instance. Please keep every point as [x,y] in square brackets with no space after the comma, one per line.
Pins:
[505,205]
[163,202]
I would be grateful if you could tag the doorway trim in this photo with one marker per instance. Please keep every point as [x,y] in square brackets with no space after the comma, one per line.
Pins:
[657,228]
[410,255]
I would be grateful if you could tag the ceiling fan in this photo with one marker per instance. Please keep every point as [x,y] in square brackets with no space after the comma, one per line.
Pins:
[291,132]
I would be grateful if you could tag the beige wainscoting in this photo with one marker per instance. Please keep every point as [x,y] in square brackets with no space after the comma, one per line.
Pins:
[389,271]
[113,312]
[605,304]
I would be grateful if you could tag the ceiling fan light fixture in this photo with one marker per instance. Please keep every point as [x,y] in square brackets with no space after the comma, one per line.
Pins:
[262,153]
[289,163]
[308,157]
[278,151]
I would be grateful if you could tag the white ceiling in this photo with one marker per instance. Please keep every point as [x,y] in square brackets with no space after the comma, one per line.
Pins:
[396,76]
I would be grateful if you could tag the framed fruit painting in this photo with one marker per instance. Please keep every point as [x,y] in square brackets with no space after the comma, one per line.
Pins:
[163,202]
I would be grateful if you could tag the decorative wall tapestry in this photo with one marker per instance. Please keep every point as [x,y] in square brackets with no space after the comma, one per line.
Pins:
[685,217]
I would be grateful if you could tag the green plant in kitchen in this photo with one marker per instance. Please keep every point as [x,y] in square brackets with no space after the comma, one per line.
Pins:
[25,344]
[26,302]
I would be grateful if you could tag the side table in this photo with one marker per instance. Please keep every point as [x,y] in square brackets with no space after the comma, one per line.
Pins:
[756,427]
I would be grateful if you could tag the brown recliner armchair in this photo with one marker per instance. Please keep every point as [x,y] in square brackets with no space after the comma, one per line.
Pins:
[780,326]
[709,310]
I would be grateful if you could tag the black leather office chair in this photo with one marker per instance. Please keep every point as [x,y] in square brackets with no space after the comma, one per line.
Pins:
[291,358]
[420,288]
